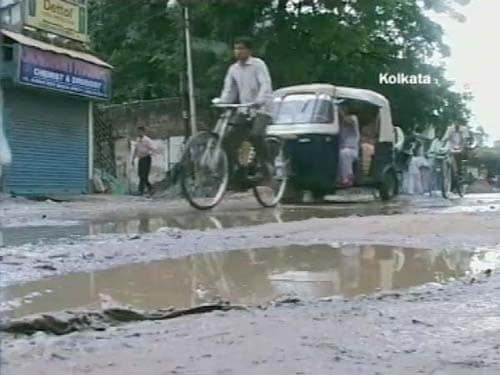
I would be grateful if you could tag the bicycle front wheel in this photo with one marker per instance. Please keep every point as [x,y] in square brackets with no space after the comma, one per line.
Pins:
[205,172]
[462,182]
[461,187]
[462,190]
[271,189]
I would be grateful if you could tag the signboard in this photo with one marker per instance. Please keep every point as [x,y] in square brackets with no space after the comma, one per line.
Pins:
[63,73]
[67,18]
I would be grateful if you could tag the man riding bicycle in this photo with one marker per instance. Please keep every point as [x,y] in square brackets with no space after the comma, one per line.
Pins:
[210,164]
[248,81]
[458,138]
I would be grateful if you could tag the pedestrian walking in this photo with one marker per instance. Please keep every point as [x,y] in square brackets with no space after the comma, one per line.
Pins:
[143,151]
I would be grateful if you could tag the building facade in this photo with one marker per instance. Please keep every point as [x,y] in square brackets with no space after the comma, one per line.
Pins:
[48,94]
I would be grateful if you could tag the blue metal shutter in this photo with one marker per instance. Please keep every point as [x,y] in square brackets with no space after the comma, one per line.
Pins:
[48,134]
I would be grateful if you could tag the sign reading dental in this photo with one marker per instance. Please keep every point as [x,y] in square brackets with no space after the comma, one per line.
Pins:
[67,18]
[63,73]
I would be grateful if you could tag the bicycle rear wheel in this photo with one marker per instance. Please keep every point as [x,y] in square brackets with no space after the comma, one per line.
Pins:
[205,172]
[462,190]
[446,179]
[271,189]
[461,186]
[462,181]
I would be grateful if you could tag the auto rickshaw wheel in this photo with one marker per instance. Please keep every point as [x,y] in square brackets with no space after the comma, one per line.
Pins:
[388,188]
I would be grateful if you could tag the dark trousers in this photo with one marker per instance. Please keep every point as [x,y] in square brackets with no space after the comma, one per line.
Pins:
[257,137]
[458,166]
[144,169]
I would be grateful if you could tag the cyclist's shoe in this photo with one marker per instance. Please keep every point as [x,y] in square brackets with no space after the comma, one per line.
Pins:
[239,184]
[263,175]
[256,177]
[269,172]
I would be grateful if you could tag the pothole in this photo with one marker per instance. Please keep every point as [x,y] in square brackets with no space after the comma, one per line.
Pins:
[249,277]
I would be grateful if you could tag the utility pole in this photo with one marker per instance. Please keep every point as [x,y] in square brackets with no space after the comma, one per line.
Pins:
[189,66]
[184,105]
[189,60]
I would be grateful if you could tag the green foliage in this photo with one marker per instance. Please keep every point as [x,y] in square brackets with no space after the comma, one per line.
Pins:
[141,40]
[487,157]
[344,42]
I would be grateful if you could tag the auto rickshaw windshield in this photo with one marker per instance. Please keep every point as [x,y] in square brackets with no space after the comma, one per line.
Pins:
[303,109]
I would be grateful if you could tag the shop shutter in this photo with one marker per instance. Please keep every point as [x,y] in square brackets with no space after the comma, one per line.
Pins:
[48,135]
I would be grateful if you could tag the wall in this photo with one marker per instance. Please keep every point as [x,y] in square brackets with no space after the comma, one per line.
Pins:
[169,152]
[164,123]
[162,118]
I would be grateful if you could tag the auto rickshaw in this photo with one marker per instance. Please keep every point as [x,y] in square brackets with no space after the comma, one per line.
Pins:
[309,117]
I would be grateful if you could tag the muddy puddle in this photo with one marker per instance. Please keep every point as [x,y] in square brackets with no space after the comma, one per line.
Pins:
[45,234]
[247,277]
[222,218]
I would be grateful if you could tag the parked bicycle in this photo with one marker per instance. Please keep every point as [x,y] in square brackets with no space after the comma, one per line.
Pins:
[208,172]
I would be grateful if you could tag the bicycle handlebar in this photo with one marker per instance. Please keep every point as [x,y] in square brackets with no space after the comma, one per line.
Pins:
[229,106]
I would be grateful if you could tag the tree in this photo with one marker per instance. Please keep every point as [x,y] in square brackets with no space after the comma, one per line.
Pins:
[448,7]
[141,40]
[481,136]
[344,42]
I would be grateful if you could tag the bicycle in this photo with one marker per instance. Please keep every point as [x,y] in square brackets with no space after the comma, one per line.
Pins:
[447,168]
[207,171]
[459,168]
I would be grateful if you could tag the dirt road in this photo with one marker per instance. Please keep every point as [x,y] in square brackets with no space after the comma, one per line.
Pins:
[449,327]
[452,330]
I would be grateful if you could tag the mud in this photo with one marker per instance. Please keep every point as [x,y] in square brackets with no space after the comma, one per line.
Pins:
[65,323]
[430,330]
[92,253]
[23,222]
[46,231]
[100,209]
[443,327]
[250,277]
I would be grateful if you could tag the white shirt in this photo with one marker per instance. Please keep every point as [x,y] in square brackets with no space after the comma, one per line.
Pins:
[456,138]
[249,82]
[144,147]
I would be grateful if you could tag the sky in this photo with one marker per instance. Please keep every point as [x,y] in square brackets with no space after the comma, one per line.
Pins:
[475,59]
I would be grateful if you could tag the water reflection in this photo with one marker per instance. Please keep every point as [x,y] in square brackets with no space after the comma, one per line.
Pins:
[17,236]
[249,277]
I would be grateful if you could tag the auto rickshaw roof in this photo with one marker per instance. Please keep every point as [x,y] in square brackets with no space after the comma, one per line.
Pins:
[336,91]
[361,94]
[386,127]
[320,88]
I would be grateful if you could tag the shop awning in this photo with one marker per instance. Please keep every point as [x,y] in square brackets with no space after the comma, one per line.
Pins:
[30,42]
